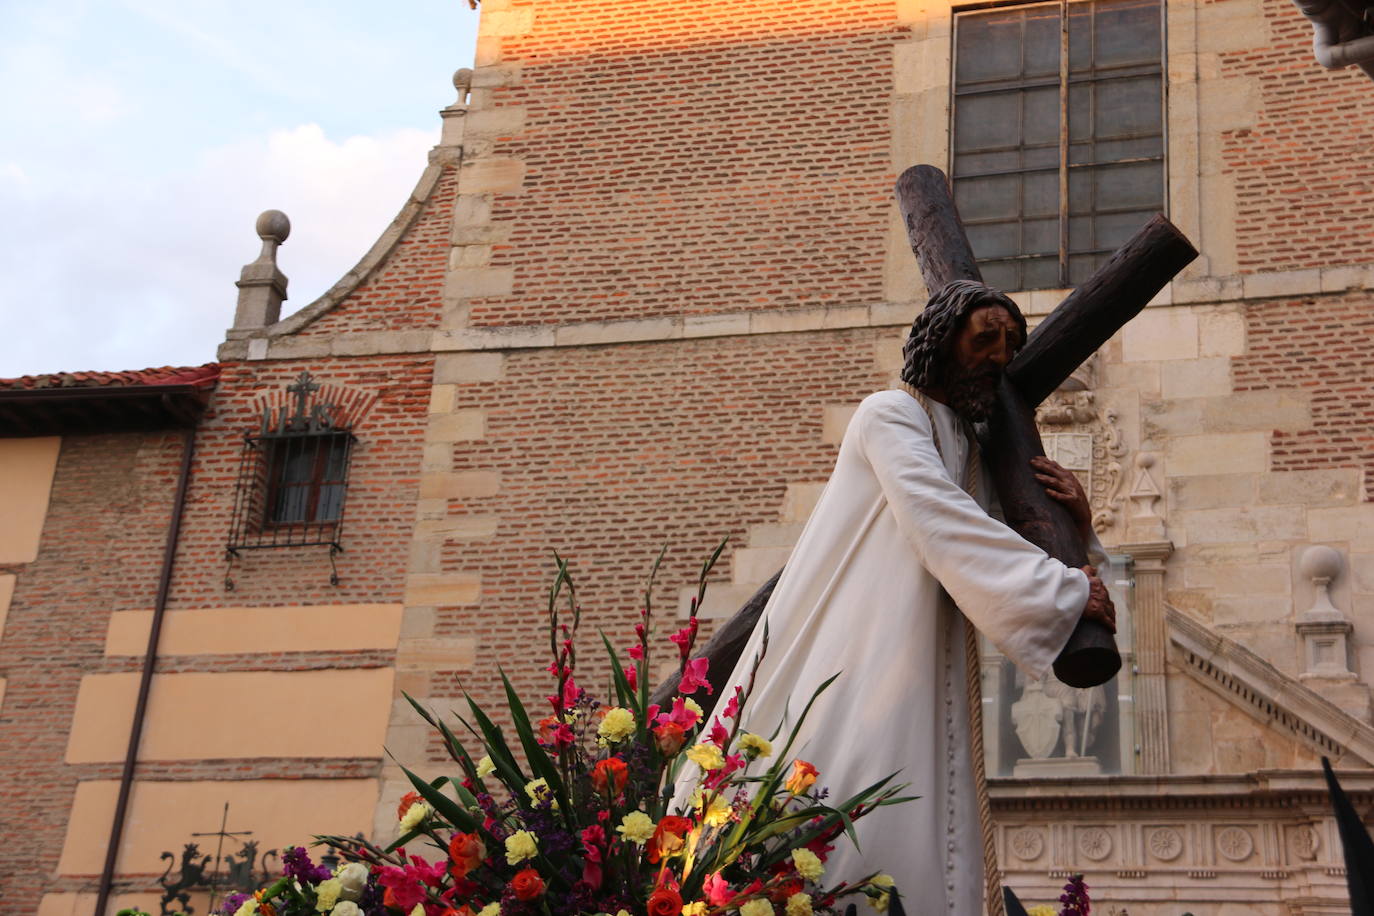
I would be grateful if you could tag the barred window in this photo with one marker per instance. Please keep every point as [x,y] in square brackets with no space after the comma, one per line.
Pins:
[1058,137]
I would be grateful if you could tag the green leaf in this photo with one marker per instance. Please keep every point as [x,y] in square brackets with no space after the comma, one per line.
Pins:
[538,757]
[625,694]
[507,769]
[444,806]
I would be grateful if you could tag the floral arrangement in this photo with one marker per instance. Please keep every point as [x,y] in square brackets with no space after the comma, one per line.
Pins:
[577,815]
[1074,901]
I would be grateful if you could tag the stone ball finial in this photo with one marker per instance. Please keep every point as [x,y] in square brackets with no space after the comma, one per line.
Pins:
[462,79]
[1145,460]
[1320,562]
[273,225]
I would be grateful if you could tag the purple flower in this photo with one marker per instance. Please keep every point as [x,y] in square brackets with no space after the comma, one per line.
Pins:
[230,904]
[1075,898]
[296,864]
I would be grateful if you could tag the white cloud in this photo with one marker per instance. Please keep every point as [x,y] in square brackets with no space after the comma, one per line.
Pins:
[128,273]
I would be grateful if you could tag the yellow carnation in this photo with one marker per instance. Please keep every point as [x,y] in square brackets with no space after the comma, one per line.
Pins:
[419,910]
[491,909]
[799,905]
[617,725]
[755,746]
[415,816]
[521,845]
[694,909]
[706,756]
[756,908]
[249,908]
[718,814]
[484,769]
[327,894]
[538,790]
[694,706]
[808,864]
[1042,909]
[637,827]
[881,900]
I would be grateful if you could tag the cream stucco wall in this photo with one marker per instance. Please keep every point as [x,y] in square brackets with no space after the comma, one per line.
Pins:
[236,714]
[162,815]
[26,472]
[232,630]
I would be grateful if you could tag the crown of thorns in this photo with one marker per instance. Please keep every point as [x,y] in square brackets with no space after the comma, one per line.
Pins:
[927,346]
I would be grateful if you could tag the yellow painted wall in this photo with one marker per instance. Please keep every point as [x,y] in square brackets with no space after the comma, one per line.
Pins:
[220,631]
[83,904]
[204,715]
[26,472]
[163,815]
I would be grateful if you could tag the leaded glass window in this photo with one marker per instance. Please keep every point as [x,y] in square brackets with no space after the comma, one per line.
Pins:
[1058,138]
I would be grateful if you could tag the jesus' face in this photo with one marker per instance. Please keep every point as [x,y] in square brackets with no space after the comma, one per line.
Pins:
[980,351]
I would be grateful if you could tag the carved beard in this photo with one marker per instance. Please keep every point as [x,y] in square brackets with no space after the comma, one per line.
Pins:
[972,393]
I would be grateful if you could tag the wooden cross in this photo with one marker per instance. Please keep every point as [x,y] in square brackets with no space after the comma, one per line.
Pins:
[1071,333]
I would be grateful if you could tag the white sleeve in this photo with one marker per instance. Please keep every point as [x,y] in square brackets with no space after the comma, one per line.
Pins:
[1025,602]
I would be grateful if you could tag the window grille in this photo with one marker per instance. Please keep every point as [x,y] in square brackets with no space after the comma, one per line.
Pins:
[293,478]
[1058,135]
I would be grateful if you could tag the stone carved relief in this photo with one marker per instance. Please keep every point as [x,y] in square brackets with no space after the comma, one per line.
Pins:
[1165,844]
[1049,709]
[1027,844]
[1085,438]
[1304,841]
[1095,843]
[1235,843]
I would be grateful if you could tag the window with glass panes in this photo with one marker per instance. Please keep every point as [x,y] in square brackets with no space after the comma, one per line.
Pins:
[1058,140]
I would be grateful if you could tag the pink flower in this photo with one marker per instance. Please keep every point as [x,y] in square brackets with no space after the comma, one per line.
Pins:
[732,708]
[632,676]
[570,692]
[681,716]
[720,735]
[593,841]
[636,652]
[685,637]
[563,736]
[733,762]
[405,886]
[717,891]
[694,676]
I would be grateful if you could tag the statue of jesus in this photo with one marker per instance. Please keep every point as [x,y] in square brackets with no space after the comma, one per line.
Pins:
[899,555]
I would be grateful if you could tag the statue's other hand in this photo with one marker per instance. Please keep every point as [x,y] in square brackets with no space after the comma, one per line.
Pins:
[1062,486]
[1099,606]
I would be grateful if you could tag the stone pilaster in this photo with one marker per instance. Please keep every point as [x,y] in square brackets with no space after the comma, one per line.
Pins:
[1151,644]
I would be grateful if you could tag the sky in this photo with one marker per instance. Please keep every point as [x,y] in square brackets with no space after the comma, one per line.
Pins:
[140,139]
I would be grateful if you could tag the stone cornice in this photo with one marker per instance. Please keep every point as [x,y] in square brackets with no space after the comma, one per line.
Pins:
[1272,697]
[1265,788]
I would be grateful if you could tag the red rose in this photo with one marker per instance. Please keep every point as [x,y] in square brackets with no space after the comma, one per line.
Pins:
[407,800]
[527,885]
[665,902]
[609,776]
[467,852]
[667,838]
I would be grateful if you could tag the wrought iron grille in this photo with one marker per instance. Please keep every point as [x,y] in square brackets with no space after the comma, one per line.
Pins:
[293,478]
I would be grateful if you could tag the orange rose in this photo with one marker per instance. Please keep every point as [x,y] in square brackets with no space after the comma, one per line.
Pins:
[668,838]
[802,778]
[547,726]
[407,800]
[665,902]
[609,776]
[670,738]
[467,852]
[527,885]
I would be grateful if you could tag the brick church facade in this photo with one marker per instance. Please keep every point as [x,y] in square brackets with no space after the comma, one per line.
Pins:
[643,280]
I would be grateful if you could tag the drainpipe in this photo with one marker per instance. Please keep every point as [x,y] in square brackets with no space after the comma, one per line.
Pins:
[1327,17]
[164,582]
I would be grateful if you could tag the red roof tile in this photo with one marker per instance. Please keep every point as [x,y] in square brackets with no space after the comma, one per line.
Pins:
[200,376]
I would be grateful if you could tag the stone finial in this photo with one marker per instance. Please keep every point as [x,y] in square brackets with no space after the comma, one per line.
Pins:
[262,286]
[1323,628]
[454,116]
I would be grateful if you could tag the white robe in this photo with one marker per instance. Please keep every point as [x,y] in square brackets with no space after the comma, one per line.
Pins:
[861,595]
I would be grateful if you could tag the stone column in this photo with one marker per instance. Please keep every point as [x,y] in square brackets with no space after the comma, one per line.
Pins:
[1151,645]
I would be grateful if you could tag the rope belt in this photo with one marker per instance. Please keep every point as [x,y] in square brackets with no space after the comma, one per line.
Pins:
[992,897]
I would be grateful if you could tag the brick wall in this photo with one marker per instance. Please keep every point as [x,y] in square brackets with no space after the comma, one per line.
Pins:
[380,505]
[1319,346]
[1303,195]
[687,161]
[607,453]
[101,551]
[404,292]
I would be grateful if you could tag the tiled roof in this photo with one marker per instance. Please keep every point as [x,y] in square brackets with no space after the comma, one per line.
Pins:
[201,376]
